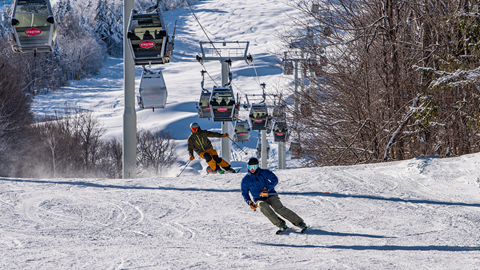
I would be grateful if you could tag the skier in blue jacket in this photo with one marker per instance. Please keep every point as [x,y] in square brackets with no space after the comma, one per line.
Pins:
[260,183]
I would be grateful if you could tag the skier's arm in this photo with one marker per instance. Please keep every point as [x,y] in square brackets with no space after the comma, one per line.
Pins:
[272,180]
[245,191]
[212,134]
[190,149]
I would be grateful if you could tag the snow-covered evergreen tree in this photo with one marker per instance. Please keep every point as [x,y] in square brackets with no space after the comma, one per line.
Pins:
[63,7]
[5,26]
[107,26]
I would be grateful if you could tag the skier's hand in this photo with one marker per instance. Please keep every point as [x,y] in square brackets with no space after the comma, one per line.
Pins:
[264,193]
[252,205]
[192,157]
[224,135]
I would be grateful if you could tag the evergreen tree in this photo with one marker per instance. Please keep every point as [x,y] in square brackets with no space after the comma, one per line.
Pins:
[107,27]
[63,7]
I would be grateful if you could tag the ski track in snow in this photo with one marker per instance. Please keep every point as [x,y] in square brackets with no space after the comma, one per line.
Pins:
[203,223]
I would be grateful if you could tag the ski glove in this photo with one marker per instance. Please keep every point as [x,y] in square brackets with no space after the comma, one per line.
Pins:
[252,205]
[264,193]
[224,135]
[192,157]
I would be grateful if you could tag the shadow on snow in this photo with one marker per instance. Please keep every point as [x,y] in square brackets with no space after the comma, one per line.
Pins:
[335,195]
[382,248]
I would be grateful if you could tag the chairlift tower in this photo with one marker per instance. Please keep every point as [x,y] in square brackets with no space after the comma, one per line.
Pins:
[129,114]
[296,105]
[225,52]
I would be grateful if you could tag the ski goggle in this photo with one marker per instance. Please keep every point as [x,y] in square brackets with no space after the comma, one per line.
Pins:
[252,167]
[194,129]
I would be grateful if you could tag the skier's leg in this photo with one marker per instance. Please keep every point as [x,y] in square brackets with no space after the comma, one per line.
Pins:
[210,161]
[222,163]
[278,207]
[270,214]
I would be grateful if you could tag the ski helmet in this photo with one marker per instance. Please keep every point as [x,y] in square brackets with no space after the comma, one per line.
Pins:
[253,161]
[194,125]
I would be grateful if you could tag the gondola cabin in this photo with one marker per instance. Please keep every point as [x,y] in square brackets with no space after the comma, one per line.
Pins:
[153,91]
[280,131]
[223,105]
[295,150]
[259,116]
[242,131]
[33,26]
[288,68]
[203,106]
[313,66]
[278,113]
[148,38]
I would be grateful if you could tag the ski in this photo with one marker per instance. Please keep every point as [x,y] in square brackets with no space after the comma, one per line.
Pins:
[223,171]
[281,230]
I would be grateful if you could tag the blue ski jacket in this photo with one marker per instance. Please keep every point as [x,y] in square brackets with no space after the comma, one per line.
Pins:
[256,182]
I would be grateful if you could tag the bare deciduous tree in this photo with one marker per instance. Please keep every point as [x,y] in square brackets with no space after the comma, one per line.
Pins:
[374,100]
[155,150]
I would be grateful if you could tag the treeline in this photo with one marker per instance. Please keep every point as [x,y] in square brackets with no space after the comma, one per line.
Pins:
[68,145]
[393,80]
[71,145]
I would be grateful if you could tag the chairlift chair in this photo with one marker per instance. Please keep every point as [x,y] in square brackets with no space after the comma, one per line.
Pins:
[295,150]
[33,26]
[259,116]
[280,131]
[223,105]
[203,105]
[242,131]
[148,38]
[153,91]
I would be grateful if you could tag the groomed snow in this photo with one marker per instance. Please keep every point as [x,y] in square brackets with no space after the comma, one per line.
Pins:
[415,214]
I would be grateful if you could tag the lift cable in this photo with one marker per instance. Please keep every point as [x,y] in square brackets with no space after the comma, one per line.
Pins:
[203,28]
[205,32]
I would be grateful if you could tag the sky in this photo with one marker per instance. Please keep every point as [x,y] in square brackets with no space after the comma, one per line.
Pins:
[421,213]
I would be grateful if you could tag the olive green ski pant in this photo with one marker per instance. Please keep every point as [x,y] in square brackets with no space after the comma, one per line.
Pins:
[274,202]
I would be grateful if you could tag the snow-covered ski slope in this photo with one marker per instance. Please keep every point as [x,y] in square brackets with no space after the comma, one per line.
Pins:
[416,214]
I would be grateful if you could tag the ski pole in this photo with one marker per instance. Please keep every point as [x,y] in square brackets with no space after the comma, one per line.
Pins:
[238,146]
[184,168]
